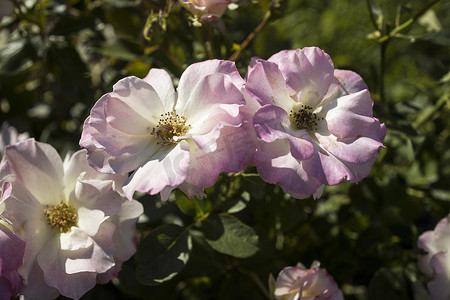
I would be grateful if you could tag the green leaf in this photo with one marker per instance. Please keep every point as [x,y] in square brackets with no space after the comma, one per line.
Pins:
[15,57]
[162,254]
[441,194]
[234,205]
[430,21]
[227,235]
[198,209]
[156,26]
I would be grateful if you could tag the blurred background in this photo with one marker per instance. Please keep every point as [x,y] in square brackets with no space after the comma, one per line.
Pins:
[58,57]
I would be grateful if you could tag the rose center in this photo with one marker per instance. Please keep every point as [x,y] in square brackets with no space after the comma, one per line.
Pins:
[304,118]
[170,124]
[61,217]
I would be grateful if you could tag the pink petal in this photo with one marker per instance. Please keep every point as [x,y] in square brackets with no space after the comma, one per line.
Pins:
[12,249]
[213,94]
[229,156]
[350,81]
[75,239]
[327,169]
[133,103]
[357,150]
[69,285]
[122,122]
[308,71]
[97,135]
[10,285]
[275,164]
[301,283]
[216,111]
[9,135]
[89,220]
[101,161]
[98,258]
[165,193]
[266,84]
[40,167]
[195,72]
[434,241]
[125,236]
[350,115]
[55,275]
[160,80]
[272,123]
[26,215]
[77,163]
[438,287]
[36,287]
[97,195]
[74,286]
[169,164]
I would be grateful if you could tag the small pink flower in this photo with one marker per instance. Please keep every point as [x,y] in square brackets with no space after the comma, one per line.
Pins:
[436,262]
[315,125]
[206,10]
[299,283]
[170,139]
[78,227]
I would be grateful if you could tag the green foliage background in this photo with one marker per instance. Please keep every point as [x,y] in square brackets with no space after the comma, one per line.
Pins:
[58,57]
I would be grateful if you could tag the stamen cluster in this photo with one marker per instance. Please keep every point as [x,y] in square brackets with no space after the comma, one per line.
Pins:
[61,217]
[170,124]
[304,118]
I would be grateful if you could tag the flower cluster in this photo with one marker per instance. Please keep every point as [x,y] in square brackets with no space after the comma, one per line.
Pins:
[304,125]
[77,225]
[299,121]
[436,262]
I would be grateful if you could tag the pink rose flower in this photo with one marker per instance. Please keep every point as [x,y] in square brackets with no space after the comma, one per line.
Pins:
[436,262]
[315,124]
[78,227]
[206,10]
[299,283]
[170,139]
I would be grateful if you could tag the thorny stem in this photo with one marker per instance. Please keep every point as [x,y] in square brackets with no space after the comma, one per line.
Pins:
[372,17]
[383,40]
[251,36]
[383,47]
[407,23]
